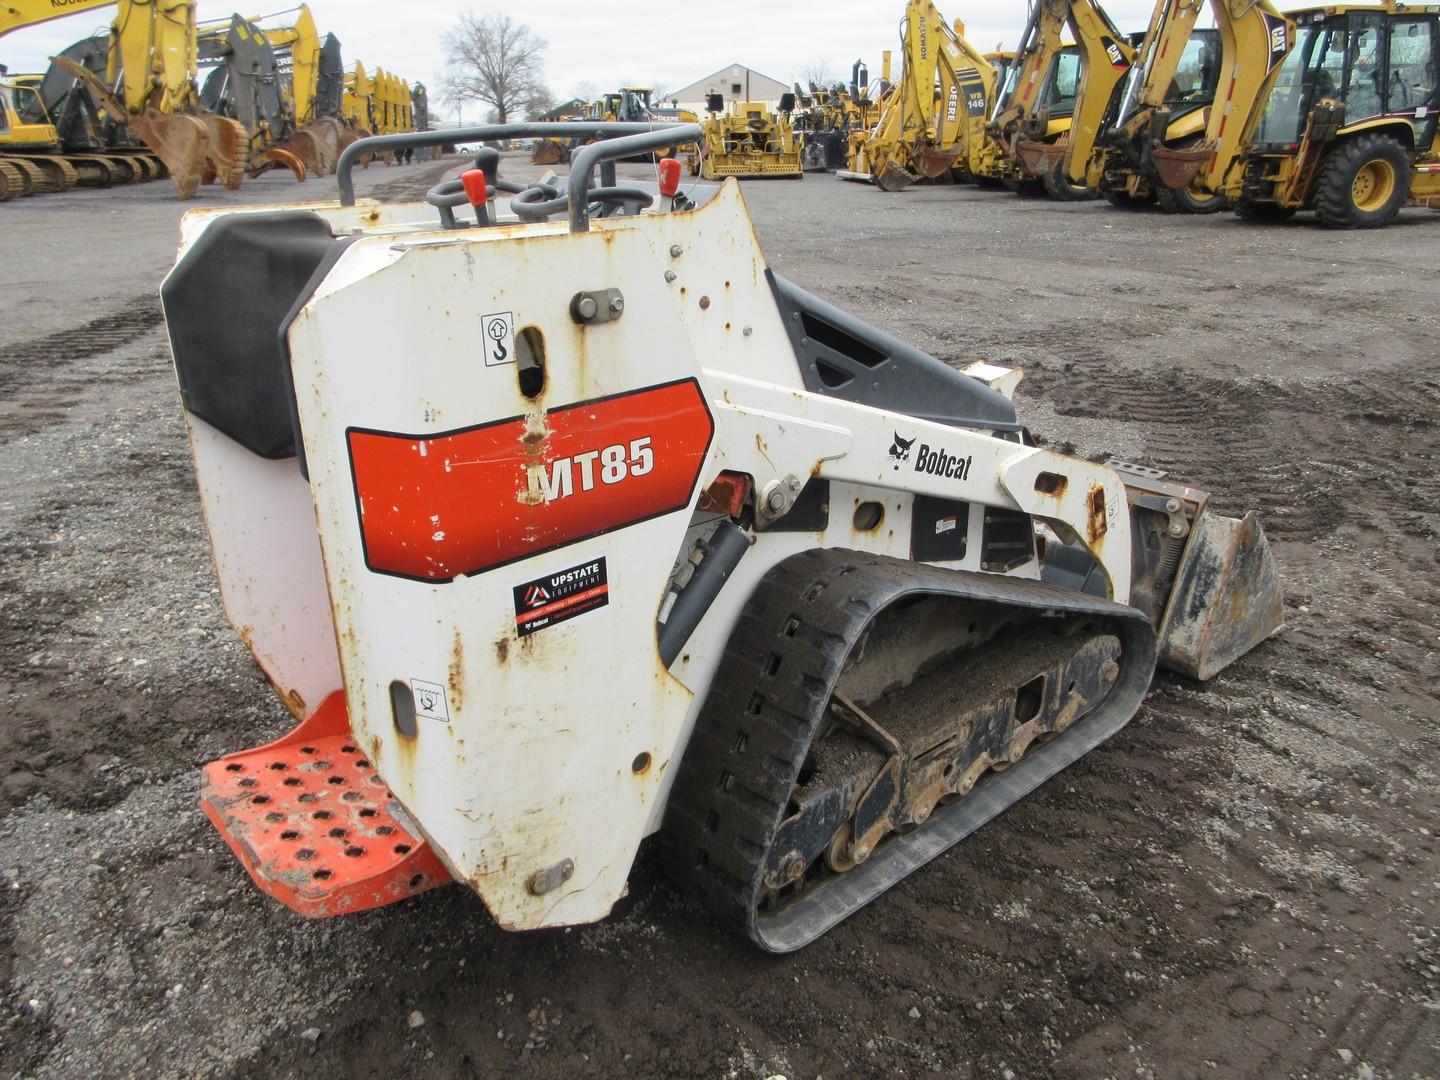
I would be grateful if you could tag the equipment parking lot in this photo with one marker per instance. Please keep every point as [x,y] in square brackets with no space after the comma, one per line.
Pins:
[1241,883]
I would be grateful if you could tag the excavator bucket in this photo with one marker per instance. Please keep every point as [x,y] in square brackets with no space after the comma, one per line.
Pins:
[327,134]
[549,152]
[302,144]
[181,141]
[1039,158]
[932,162]
[1226,598]
[227,149]
[1176,169]
[277,157]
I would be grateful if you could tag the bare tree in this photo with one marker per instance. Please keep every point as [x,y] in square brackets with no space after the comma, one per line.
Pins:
[586,90]
[662,91]
[493,60]
[539,102]
[819,73]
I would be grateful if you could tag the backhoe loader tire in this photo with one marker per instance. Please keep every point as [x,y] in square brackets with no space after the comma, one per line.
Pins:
[1059,187]
[1123,200]
[1189,201]
[1363,183]
[1246,210]
[1026,189]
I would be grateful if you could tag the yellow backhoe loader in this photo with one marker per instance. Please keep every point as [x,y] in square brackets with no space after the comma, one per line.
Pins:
[932,123]
[1101,60]
[1350,128]
[1183,119]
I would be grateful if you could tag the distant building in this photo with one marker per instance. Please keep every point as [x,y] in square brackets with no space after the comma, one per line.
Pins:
[573,107]
[734,83]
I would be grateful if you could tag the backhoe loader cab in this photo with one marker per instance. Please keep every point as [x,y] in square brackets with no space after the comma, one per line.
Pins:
[1350,128]
[560,520]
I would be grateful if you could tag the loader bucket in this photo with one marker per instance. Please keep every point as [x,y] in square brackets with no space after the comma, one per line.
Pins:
[178,140]
[1177,169]
[1039,158]
[931,163]
[549,152]
[1226,599]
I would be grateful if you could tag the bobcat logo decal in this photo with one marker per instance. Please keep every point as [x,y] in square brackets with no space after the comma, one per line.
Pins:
[900,450]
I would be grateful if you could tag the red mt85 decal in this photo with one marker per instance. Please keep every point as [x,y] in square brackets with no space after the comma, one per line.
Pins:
[437,507]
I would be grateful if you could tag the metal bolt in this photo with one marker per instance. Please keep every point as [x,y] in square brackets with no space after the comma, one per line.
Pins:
[793,483]
[617,304]
[587,308]
[1172,506]
[775,501]
[670,275]
[1177,529]
[748,331]
[676,251]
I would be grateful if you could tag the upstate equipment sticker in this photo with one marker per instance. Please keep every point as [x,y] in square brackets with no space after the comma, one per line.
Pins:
[558,598]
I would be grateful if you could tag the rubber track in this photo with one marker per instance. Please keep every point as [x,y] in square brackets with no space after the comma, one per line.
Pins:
[769,696]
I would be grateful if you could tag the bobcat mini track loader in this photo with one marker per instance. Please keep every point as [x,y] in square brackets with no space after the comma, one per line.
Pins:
[577,524]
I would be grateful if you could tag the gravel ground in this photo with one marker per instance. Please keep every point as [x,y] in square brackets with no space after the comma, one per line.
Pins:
[1242,883]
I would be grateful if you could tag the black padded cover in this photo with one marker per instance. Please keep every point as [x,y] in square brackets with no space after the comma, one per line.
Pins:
[224,306]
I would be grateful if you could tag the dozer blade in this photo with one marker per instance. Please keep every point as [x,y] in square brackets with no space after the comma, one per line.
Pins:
[893,178]
[1039,158]
[932,163]
[180,141]
[1226,599]
[277,157]
[1177,169]
[314,824]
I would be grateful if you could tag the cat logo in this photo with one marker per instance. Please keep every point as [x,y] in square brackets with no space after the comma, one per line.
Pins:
[1117,58]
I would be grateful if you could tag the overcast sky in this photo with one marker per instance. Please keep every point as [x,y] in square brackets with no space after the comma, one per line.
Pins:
[649,43]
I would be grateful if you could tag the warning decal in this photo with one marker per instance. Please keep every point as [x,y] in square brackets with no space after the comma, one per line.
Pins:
[557,598]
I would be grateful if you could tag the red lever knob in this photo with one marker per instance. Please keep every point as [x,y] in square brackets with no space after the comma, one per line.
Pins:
[669,177]
[474,181]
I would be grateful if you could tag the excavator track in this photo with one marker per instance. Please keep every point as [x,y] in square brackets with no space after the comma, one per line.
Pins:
[868,714]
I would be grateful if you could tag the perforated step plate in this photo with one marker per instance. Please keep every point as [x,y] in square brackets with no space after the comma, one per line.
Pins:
[314,824]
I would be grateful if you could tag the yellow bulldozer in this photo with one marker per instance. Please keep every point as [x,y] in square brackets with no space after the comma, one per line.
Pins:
[747,140]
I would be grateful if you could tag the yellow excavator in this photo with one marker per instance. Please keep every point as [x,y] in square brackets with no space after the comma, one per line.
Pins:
[150,62]
[1184,117]
[33,156]
[284,83]
[1350,128]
